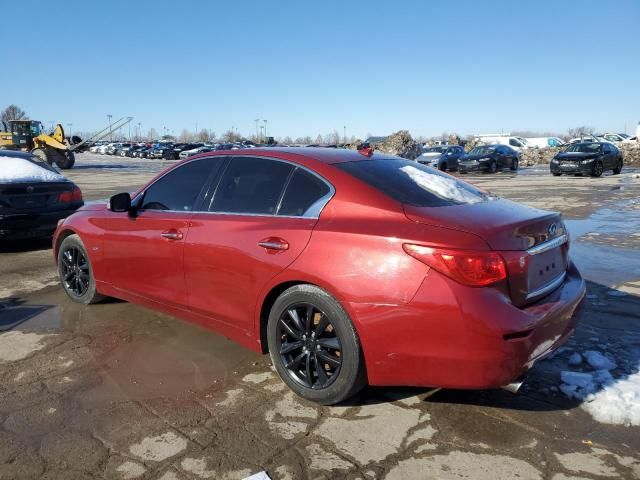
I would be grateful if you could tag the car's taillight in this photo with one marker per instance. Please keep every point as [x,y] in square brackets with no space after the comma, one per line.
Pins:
[70,196]
[473,268]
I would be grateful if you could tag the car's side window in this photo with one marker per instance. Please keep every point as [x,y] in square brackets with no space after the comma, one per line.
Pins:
[251,185]
[306,194]
[606,148]
[178,189]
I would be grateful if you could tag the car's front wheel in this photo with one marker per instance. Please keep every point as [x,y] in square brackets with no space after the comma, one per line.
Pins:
[597,170]
[493,167]
[314,346]
[76,274]
[514,164]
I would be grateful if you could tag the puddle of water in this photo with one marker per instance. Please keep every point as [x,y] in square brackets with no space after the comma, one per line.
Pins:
[607,264]
[137,353]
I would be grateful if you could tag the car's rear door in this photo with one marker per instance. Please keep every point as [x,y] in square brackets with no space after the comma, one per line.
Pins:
[260,219]
[144,253]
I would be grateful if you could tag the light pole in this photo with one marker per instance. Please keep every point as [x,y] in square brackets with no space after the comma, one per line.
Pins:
[69,125]
[265,130]
[110,132]
[139,131]
[261,133]
[257,138]
[344,136]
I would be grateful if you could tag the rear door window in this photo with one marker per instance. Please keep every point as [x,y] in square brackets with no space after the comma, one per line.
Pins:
[413,183]
[251,185]
[178,190]
[305,196]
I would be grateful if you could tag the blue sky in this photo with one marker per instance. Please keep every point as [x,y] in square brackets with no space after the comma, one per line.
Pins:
[314,67]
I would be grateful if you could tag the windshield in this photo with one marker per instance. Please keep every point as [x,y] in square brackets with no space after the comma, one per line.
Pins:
[411,183]
[584,148]
[485,150]
[435,150]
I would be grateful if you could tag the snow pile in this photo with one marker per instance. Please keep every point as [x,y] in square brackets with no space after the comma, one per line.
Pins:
[14,169]
[607,398]
[618,402]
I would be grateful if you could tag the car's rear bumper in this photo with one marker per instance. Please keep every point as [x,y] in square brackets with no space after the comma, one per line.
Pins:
[460,337]
[31,225]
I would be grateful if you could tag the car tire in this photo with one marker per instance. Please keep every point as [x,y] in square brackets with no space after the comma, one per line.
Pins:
[442,166]
[556,174]
[597,169]
[76,273]
[493,167]
[618,168]
[306,324]
[42,154]
[514,164]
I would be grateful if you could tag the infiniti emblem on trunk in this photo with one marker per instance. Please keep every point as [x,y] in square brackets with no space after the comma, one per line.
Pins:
[29,189]
[552,229]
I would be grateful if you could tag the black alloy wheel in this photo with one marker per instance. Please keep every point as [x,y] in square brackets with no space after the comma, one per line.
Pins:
[597,169]
[308,346]
[74,270]
[618,169]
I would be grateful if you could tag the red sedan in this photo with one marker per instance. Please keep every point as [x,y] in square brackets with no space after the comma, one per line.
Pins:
[348,268]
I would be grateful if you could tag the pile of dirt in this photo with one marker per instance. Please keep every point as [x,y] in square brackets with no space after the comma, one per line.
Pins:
[537,156]
[630,153]
[400,143]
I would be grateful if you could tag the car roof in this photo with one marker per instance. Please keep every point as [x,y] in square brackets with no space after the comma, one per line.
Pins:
[324,155]
[15,153]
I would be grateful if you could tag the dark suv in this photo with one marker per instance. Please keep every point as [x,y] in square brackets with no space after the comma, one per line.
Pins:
[590,158]
[442,157]
[489,158]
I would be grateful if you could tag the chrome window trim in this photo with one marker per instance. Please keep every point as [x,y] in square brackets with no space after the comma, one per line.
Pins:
[313,212]
[548,287]
[548,245]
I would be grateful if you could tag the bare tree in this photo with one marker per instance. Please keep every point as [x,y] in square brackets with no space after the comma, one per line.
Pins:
[319,140]
[13,112]
[580,131]
[185,136]
[231,136]
[152,135]
[204,135]
[286,140]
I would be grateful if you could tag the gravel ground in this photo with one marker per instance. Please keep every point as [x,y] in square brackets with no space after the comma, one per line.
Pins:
[118,391]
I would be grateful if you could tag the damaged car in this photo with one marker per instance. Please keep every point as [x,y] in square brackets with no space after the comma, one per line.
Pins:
[349,268]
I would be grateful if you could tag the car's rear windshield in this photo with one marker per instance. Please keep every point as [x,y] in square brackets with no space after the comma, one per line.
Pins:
[584,148]
[414,184]
[435,150]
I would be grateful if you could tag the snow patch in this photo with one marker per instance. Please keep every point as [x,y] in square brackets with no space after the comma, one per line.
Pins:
[159,448]
[14,169]
[16,345]
[445,187]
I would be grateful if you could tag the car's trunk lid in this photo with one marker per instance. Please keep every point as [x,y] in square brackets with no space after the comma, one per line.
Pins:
[35,196]
[520,233]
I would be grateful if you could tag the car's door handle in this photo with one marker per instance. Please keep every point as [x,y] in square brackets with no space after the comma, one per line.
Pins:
[172,235]
[274,243]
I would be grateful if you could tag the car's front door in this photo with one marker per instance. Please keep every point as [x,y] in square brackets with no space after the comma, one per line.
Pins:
[144,252]
[260,219]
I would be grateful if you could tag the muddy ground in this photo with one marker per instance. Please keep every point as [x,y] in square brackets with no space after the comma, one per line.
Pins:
[118,391]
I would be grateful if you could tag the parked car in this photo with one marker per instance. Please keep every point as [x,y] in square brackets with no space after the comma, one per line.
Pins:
[616,138]
[545,142]
[142,153]
[194,151]
[345,267]
[174,153]
[33,196]
[443,157]
[584,138]
[516,143]
[489,158]
[590,158]
[158,151]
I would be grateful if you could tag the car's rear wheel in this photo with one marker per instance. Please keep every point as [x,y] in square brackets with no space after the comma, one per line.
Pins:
[597,169]
[76,274]
[514,164]
[556,174]
[314,346]
[618,168]
[442,166]
[493,167]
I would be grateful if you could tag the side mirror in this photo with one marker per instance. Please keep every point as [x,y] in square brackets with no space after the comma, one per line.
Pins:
[120,202]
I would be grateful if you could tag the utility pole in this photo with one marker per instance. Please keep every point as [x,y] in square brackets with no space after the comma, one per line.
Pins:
[110,132]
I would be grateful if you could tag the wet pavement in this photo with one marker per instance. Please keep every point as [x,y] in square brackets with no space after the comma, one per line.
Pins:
[115,390]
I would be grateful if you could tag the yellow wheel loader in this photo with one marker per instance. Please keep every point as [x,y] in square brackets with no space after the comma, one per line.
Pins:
[29,135]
